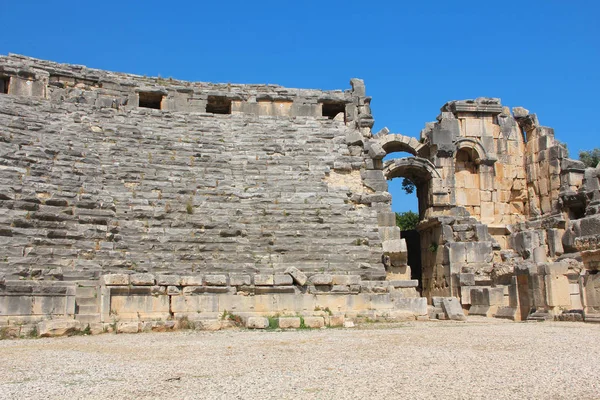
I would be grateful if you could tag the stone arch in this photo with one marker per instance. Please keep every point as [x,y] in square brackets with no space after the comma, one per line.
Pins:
[424,175]
[476,150]
[399,143]
[415,168]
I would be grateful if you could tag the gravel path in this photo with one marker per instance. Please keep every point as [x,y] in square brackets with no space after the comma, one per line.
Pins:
[443,360]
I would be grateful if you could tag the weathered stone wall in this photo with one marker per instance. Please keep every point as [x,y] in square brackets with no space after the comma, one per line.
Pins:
[161,198]
[89,188]
[193,194]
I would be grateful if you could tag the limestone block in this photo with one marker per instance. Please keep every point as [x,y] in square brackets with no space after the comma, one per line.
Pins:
[239,280]
[538,287]
[191,290]
[142,279]
[453,309]
[298,276]
[282,280]
[264,280]
[465,294]
[49,305]
[128,327]
[479,252]
[539,254]
[314,322]
[554,239]
[116,279]
[168,280]
[557,291]
[409,283]
[555,268]
[321,279]
[200,304]
[389,233]
[135,306]
[495,296]
[215,280]
[289,322]
[335,320]
[457,253]
[591,291]
[195,280]
[58,327]
[257,323]
[416,305]
[467,279]
[375,150]
[173,290]
[345,279]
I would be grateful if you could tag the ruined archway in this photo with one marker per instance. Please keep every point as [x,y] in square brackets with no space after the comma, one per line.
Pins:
[395,143]
[419,171]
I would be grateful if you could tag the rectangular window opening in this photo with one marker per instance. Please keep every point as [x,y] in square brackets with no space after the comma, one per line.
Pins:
[4,83]
[332,109]
[150,100]
[218,105]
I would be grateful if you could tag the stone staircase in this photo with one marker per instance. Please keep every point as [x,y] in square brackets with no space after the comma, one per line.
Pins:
[87,302]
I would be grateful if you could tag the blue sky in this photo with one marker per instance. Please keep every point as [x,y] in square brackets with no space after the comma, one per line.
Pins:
[543,55]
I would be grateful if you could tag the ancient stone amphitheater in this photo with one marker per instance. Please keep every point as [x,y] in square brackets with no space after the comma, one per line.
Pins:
[132,203]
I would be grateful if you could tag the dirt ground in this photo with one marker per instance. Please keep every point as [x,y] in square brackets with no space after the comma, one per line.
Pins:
[482,358]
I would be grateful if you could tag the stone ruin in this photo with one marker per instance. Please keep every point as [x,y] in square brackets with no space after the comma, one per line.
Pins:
[133,203]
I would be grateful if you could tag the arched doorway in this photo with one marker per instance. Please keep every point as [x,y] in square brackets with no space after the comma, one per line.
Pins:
[419,171]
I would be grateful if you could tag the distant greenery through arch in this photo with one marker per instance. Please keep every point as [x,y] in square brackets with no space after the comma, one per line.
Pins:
[407,221]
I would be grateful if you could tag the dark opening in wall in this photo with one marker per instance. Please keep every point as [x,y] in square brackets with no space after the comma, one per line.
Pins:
[4,83]
[218,105]
[576,212]
[150,100]
[331,109]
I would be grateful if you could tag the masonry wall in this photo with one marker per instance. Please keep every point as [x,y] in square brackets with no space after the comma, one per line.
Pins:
[91,183]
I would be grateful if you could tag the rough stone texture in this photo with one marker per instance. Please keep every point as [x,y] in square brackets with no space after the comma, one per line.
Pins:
[289,322]
[257,323]
[314,322]
[162,196]
[60,327]
[452,308]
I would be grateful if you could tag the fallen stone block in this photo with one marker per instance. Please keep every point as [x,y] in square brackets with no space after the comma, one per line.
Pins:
[58,327]
[314,322]
[336,320]
[453,309]
[128,327]
[349,324]
[289,322]
[298,276]
[209,324]
[257,323]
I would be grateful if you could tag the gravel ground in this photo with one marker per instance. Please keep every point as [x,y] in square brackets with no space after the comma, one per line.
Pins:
[478,359]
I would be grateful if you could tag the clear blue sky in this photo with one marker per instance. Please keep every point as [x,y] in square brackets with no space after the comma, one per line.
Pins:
[414,56]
